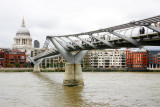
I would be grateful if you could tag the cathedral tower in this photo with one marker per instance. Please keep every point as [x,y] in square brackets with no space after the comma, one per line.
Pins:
[23,40]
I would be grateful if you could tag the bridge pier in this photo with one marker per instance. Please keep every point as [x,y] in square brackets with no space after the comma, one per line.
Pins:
[36,69]
[73,75]
[73,72]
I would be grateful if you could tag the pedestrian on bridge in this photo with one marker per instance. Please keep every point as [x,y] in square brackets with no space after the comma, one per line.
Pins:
[141,30]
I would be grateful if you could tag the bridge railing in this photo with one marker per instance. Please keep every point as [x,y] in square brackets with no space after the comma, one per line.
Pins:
[128,32]
[107,36]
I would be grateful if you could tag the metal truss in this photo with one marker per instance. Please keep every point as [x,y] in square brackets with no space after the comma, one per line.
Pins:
[120,36]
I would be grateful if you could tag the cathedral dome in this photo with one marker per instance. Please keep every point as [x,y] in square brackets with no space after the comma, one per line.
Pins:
[23,30]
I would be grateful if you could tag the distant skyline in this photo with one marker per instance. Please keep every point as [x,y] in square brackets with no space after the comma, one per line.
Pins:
[57,17]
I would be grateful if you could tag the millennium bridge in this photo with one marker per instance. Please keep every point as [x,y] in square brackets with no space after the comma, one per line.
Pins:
[125,35]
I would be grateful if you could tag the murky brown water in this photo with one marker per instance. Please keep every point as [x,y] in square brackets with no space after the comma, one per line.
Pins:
[109,89]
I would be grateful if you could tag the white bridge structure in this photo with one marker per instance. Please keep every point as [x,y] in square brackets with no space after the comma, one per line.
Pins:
[125,35]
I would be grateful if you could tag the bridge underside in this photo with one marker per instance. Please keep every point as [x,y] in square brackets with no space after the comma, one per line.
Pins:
[144,40]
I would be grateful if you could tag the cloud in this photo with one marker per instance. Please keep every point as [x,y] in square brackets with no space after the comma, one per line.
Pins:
[55,17]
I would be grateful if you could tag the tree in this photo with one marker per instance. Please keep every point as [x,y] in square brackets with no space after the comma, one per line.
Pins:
[86,64]
[17,65]
[58,66]
[51,65]
[61,64]
[25,64]
[9,64]
[44,67]
[55,65]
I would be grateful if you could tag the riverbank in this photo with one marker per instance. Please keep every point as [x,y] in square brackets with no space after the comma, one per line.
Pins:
[25,70]
[16,69]
[84,70]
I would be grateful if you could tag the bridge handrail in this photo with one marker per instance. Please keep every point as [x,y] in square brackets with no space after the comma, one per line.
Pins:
[111,34]
[123,26]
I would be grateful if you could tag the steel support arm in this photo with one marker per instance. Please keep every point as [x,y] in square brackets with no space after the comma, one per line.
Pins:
[46,43]
[80,55]
[38,55]
[47,55]
[104,41]
[67,43]
[134,42]
[87,42]
[61,44]
[36,58]
[66,54]
[76,43]
[36,62]
[54,56]
[157,29]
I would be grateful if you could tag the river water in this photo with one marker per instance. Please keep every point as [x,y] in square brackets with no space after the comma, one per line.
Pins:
[108,89]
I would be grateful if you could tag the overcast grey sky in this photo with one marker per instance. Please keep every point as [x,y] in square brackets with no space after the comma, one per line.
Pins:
[55,17]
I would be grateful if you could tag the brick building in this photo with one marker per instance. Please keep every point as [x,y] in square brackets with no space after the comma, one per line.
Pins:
[3,59]
[136,58]
[12,57]
[15,56]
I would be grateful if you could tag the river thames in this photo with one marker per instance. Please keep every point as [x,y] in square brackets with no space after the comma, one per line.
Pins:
[101,89]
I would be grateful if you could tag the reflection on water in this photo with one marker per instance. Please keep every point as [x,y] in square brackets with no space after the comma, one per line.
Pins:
[65,96]
[74,96]
[109,89]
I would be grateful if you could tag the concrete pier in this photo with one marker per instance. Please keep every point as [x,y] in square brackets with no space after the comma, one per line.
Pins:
[73,75]
[73,72]
[36,69]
